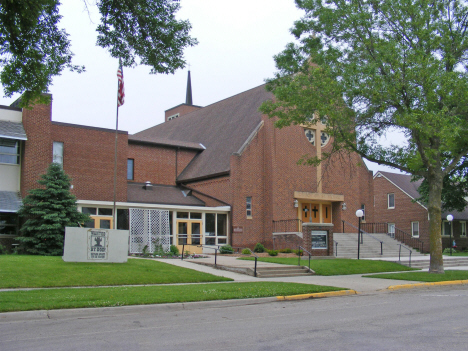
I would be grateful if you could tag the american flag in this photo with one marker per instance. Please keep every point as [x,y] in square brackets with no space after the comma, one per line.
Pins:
[121,91]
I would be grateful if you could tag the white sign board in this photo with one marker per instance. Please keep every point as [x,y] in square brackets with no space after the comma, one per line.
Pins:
[95,245]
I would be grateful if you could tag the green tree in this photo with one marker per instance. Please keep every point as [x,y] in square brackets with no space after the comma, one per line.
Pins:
[33,49]
[48,210]
[376,67]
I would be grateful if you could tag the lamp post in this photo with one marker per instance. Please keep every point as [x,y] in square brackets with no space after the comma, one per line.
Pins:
[359,214]
[450,219]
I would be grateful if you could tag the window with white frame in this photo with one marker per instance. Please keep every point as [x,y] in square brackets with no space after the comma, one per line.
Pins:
[248,206]
[463,229]
[57,153]
[415,229]
[215,229]
[391,200]
[391,229]
[447,228]
[130,168]
[9,151]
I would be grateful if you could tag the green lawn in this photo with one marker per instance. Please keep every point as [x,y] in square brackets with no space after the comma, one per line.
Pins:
[339,266]
[424,276]
[22,271]
[45,299]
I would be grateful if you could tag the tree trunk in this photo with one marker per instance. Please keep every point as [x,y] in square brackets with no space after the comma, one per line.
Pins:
[435,218]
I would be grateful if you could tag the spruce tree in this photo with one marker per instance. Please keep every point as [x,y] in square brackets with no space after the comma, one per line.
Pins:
[48,210]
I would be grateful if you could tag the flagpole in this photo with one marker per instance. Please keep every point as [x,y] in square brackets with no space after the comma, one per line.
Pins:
[115,164]
[120,101]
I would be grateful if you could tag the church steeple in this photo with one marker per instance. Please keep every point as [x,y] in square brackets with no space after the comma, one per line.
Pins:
[188,96]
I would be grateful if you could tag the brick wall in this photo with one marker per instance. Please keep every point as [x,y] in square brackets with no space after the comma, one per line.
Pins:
[37,153]
[405,211]
[88,158]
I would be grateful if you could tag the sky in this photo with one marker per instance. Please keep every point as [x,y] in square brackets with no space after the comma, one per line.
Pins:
[237,42]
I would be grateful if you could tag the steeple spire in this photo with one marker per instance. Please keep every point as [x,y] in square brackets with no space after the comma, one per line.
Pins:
[188,96]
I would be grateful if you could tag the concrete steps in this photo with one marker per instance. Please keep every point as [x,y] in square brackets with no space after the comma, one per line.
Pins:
[448,262]
[282,271]
[370,248]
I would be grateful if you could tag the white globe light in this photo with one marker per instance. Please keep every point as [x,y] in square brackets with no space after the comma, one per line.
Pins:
[449,218]
[359,213]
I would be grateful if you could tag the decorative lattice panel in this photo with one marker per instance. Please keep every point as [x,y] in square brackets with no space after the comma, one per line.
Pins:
[149,228]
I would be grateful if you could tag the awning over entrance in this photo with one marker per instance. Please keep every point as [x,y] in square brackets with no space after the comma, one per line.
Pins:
[10,201]
[12,130]
[302,195]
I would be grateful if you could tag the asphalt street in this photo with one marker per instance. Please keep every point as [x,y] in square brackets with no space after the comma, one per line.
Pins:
[432,318]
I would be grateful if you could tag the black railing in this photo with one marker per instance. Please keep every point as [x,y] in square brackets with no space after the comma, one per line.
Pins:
[408,239]
[336,247]
[399,254]
[299,255]
[251,254]
[287,226]
[374,227]
[366,233]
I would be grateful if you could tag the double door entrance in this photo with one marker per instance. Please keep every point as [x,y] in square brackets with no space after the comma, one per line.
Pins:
[316,212]
[189,233]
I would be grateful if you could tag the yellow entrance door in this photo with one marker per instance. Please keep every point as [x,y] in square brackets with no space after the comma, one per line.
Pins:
[189,233]
[100,222]
[326,210]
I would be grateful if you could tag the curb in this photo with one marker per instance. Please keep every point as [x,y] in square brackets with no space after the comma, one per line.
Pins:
[317,295]
[422,285]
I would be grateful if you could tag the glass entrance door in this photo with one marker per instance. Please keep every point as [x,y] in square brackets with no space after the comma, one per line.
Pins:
[189,233]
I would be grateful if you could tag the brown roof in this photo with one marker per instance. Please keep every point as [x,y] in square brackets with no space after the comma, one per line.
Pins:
[403,181]
[222,128]
[161,194]
[165,142]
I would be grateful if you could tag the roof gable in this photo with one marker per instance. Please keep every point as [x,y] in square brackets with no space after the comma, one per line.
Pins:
[222,128]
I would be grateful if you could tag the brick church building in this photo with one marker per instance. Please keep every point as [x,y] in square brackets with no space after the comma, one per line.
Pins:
[213,175]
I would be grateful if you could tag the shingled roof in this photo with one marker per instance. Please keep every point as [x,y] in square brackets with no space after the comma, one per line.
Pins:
[403,181]
[222,128]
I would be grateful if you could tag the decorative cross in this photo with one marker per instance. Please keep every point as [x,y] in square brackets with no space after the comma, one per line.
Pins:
[315,210]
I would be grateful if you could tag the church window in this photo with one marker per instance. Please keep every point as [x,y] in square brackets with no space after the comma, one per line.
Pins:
[57,153]
[363,208]
[463,229]
[249,206]
[324,138]
[310,135]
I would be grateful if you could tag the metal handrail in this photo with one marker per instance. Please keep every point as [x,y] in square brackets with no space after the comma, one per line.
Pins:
[407,238]
[299,255]
[336,248]
[364,232]
[251,253]
[399,254]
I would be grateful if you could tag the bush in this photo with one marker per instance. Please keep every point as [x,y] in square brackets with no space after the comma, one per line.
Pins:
[447,250]
[226,249]
[298,252]
[273,252]
[246,252]
[259,248]
[2,249]
[286,251]
[173,250]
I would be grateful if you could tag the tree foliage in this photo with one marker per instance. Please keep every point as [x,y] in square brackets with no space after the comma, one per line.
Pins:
[376,67]
[48,210]
[34,49]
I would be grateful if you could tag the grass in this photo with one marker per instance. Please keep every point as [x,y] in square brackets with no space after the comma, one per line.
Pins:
[22,271]
[339,266]
[458,253]
[424,276]
[46,299]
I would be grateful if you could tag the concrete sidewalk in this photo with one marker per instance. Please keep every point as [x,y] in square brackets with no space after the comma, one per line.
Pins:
[355,281]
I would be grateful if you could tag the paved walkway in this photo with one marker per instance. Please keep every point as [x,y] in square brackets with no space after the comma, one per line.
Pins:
[355,281]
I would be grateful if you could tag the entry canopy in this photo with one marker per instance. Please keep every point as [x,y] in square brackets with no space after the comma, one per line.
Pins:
[12,130]
[10,201]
